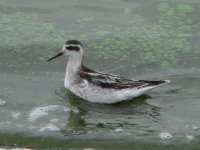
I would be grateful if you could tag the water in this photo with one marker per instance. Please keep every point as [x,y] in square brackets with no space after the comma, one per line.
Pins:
[137,39]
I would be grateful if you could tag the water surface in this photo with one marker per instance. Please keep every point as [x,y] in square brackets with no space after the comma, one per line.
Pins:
[136,39]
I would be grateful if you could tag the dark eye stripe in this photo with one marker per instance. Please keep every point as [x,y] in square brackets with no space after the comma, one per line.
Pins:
[73,48]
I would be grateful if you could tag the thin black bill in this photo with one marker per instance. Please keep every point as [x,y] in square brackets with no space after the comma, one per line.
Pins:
[58,55]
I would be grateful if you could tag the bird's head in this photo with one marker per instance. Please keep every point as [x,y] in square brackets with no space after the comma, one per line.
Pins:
[71,48]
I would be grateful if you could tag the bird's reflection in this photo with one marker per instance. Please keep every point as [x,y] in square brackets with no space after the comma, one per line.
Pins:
[90,116]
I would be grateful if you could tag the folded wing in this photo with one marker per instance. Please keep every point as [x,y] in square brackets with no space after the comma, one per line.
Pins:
[113,81]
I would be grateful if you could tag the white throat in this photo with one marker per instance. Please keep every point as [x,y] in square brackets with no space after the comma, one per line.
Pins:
[73,67]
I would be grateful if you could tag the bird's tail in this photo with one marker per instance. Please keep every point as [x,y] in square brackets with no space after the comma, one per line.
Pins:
[155,83]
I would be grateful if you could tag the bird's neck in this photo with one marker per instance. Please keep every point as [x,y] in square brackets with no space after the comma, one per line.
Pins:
[74,66]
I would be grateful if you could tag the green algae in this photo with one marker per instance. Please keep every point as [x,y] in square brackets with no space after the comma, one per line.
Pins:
[22,30]
[169,42]
[128,11]
[40,142]
[163,45]
[184,8]
[27,40]
[85,19]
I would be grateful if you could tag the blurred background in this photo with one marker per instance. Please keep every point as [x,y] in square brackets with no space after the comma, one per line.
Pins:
[140,39]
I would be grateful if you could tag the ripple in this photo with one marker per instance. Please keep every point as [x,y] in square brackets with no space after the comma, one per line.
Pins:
[43,111]
[2,102]
[165,135]
[15,115]
[189,137]
[118,130]
[193,126]
[49,127]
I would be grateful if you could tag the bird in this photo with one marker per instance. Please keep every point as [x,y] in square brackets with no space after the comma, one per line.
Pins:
[99,87]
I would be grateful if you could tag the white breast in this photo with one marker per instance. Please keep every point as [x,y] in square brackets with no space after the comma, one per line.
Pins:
[97,94]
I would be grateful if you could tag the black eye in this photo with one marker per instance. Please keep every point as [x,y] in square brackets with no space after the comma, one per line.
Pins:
[72,48]
[69,47]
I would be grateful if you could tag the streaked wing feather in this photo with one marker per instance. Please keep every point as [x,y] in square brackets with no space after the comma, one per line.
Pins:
[110,81]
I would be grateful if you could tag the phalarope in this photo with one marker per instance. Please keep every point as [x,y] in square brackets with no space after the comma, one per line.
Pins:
[96,86]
